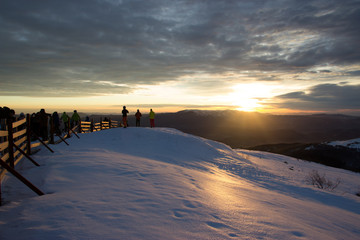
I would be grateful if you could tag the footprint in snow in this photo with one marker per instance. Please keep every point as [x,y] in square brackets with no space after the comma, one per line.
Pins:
[191,204]
[217,225]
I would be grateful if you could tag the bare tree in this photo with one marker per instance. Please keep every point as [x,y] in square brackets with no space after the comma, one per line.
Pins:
[320,181]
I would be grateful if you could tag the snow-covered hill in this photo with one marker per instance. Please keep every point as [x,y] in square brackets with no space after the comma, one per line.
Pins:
[142,183]
[352,143]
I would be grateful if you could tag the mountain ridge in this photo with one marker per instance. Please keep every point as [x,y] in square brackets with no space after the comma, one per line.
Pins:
[249,129]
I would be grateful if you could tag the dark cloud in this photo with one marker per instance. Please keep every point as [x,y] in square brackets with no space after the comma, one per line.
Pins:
[354,73]
[53,45]
[323,97]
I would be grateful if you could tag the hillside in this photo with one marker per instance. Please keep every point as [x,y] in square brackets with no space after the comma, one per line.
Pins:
[339,154]
[142,183]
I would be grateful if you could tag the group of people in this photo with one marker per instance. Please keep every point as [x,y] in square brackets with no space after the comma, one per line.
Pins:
[40,121]
[6,113]
[138,116]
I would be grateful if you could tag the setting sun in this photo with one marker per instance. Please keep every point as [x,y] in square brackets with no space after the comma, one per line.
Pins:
[249,97]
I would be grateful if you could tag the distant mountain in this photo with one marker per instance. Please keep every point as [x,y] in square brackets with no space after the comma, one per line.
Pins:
[246,129]
[352,143]
[331,155]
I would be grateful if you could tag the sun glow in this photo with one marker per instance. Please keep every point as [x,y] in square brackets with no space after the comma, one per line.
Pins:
[251,96]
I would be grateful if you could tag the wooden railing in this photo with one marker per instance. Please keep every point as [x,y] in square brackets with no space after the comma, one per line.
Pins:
[17,136]
[87,126]
[16,143]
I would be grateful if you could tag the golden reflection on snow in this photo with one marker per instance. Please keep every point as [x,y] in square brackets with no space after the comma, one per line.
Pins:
[238,204]
[225,191]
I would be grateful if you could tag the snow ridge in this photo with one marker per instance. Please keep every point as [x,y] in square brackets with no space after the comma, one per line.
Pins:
[160,183]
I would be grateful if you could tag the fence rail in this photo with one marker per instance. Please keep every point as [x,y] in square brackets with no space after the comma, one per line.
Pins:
[90,126]
[18,141]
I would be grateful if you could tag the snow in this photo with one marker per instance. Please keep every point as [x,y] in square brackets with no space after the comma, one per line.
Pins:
[353,143]
[160,183]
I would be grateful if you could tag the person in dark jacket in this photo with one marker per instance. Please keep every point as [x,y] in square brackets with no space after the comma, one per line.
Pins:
[138,117]
[5,113]
[56,122]
[35,124]
[125,113]
[43,120]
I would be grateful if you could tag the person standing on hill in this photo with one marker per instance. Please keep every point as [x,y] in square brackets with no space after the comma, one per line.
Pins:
[65,119]
[75,119]
[43,117]
[56,122]
[35,124]
[152,118]
[5,113]
[21,116]
[138,116]
[125,113]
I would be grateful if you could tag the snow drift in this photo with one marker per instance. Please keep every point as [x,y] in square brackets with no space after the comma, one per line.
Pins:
[142,183]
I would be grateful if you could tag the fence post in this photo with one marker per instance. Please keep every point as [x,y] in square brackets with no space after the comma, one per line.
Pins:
[9,123]
[80,130]
[0,192]
[28,134]
[92,125]
[68,124]
[20,177]
[100,124]
[109,123]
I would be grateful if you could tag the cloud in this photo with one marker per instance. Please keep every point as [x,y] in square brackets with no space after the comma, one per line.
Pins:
[354,73]
[53,45]
[323,97]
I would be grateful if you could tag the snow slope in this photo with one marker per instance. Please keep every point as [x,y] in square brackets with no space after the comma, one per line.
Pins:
[142,183]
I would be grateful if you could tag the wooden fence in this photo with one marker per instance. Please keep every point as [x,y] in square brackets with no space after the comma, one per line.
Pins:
[90,126]
[18,141]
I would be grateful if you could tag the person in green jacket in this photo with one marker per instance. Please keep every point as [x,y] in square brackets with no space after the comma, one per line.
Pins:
[75,119]
[152,118]
[65,119]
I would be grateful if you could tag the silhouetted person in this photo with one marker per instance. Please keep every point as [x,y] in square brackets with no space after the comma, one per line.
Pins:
[35,124]
[43,122]
[65,119]
[56,122]
[2,113]
[21,116]
[2,116]
[12,115]
[125,113]
[138,117]
[75,119]
[5,113]
[152,118]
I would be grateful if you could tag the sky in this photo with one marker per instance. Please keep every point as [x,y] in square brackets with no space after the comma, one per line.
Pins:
[278,56]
